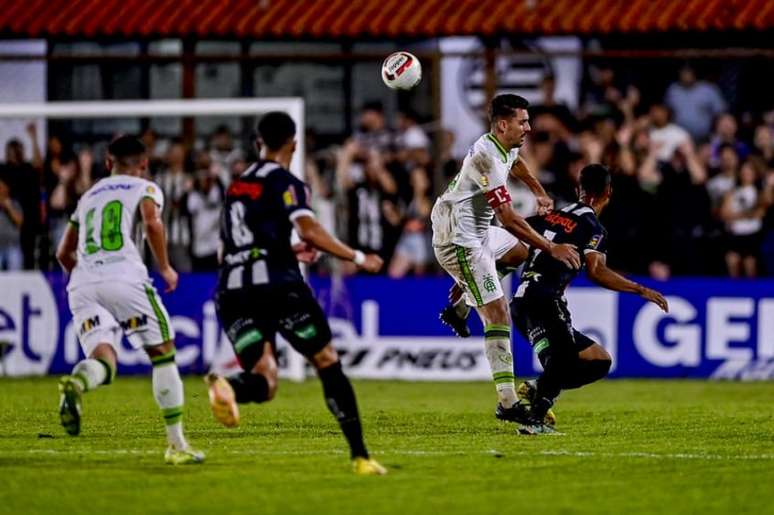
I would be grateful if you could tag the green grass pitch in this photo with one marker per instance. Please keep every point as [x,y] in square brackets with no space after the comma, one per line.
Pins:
[629,447]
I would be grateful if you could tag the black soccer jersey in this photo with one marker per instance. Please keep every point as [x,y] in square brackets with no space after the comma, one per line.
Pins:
[576,224]
[256,224]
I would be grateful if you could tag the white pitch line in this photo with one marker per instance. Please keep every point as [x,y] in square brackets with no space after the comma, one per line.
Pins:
[411,452]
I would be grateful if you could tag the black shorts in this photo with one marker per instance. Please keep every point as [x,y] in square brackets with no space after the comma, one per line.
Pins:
[252,316]
[546,324]
[748,245]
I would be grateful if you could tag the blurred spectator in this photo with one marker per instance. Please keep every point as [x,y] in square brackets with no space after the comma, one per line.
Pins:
[561,118]
[24,182]
[372,133]
[767,247]
[742,211]
[175,181]
[223,153]
[726,134]
[602,92]
[11,219]
[371,193]
[204,204]
[763,148]
[412,254]
[665,135]
[726,178]
[410,135]
[150,139]
[450,166]
[70,183]
[695,103]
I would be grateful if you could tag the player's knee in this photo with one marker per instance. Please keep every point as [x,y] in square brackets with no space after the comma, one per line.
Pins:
[106,353]
[496,312]
[325,358]
[271,390]
[595,352]
[161,349]
[603,367]
[266,367]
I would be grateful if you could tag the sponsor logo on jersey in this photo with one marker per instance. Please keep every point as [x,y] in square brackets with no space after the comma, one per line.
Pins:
[289,197]
[595,241]
[565,223]
[111,187]
[245,189]
[89,324]
[134,322]
[151,190]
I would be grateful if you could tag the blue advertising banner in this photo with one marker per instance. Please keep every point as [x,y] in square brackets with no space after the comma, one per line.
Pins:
[388,328]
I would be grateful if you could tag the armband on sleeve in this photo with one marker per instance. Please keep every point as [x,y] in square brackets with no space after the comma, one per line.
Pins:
[498,196]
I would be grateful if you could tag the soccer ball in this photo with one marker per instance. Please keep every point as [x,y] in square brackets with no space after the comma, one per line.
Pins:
[401,70]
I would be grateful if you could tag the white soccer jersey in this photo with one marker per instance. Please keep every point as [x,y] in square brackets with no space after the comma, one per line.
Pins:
[462,215]
[105,218]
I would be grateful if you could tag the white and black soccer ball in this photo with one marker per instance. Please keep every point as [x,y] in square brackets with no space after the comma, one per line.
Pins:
[401,70]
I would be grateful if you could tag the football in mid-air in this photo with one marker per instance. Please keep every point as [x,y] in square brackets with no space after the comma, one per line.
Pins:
[401,70]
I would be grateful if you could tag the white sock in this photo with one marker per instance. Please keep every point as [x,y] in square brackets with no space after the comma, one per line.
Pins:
[498,351]
[91,373]
[461,307]
[168,391]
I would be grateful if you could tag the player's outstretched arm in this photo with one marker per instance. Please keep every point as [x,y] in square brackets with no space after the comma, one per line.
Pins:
[521,171]
[516,224]
[596,262]
[65,253]
[315,234]
[157,239]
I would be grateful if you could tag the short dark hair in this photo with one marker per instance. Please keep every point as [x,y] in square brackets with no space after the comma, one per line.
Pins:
[373,105]
[504,106]
[594,179]
[275,129]
[126,150]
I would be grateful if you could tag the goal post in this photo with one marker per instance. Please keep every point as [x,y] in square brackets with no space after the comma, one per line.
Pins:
[237,107]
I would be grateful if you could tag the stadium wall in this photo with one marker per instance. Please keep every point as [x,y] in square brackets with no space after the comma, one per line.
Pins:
[389,329]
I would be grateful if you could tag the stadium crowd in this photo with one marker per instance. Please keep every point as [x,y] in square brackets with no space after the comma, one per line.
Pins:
[694,187]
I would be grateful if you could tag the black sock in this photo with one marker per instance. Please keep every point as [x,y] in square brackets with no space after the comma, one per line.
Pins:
[340,398]
[249,387]
[586,372]
[555,367]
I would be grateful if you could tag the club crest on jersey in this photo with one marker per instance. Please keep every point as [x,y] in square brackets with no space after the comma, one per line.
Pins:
[151,190]
[595,241]
[489,284]
[484,181]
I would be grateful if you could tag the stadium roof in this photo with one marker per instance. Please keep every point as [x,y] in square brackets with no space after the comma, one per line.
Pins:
[328,19]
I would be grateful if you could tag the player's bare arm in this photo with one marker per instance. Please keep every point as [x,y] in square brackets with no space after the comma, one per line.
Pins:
[521,171]
[65,253]
[516,224]
[157,239]
[596,262]
[315,234]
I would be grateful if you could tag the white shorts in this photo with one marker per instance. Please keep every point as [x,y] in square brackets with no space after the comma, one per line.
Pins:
[102,312]
[475,269]
[500,241]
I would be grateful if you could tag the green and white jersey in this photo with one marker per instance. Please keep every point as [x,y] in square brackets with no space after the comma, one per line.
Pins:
[105,218]
[462,215]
